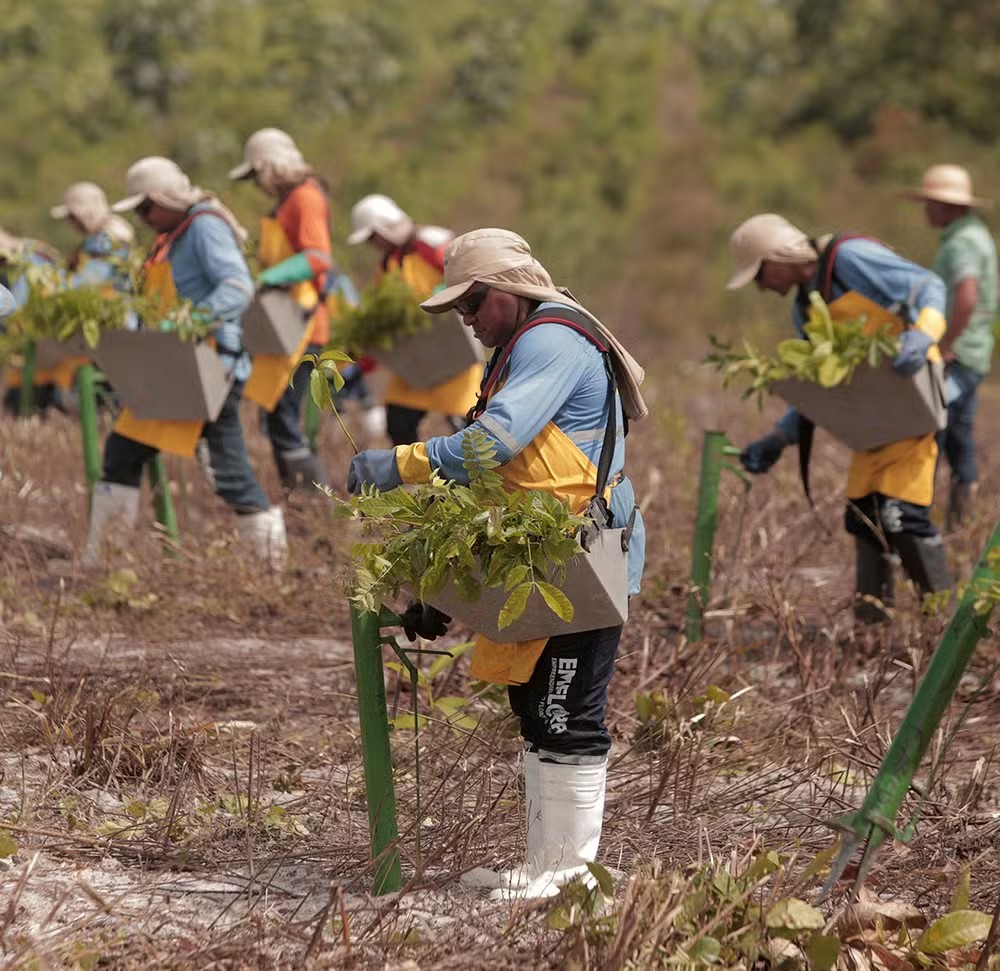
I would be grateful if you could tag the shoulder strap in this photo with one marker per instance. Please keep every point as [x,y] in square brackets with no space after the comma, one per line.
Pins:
[598,508]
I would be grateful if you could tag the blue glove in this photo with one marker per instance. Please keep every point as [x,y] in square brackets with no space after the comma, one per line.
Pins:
[376,467]
[913,347]
[759,456]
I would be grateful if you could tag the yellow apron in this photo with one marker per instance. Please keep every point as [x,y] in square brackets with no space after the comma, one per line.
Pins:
[550,463]
[176,437]
[905,469]
[272,372]
[454,396]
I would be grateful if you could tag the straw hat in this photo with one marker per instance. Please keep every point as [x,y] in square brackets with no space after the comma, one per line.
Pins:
[767,236]
[946,183]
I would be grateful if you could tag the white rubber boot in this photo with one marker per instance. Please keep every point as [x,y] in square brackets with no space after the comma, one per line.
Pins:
[486,879]
[114,510]
[264,533]
[572,816]
[373,421]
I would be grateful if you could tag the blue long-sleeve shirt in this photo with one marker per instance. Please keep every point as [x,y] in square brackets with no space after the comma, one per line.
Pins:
[209,270]
[100,250]
[553,374]
[871,269]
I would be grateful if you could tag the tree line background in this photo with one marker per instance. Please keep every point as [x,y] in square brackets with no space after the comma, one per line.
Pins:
[623,139]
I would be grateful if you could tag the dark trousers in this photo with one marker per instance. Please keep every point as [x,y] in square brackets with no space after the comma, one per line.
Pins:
[229,467]
[955,441]
[876,517]
[284,424]
[403,424]
[562,707]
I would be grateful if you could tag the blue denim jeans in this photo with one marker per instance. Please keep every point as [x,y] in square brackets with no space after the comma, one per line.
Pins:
[229,467]
[955,442]
[284,424]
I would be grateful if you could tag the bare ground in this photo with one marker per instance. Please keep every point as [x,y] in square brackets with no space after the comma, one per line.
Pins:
[180,766]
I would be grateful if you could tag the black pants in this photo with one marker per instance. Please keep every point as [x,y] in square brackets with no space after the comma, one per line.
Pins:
[562,707]
[284,424]
[403,424]
[232,476]
[876,517]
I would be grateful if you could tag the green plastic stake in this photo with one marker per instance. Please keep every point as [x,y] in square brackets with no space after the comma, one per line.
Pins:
[374,718]
[26,406]
[714,449]
[875,820]
[162,501]
[86,386]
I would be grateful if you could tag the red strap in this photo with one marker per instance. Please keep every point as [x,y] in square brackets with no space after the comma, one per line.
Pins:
[501,363]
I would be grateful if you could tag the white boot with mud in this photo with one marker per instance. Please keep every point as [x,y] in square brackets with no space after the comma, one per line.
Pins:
[264,532]
[572,805]
[114,510]
[520,876]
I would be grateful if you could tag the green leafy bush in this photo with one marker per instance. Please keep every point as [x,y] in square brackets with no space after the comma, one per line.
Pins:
[828,354]
[386,314]
[476,535]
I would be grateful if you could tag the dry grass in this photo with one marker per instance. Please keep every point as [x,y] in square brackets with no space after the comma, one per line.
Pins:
[180,764]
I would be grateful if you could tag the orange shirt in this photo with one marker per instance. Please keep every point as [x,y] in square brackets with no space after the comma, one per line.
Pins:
[304,216]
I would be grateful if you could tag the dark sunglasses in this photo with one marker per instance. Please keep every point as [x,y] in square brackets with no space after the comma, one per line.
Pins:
[469,305]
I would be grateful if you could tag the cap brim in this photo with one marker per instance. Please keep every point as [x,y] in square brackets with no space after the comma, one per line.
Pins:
[359,236]
[742,277]
[7,302]
[128,203]
[443,300]
[242,171]
[59,212]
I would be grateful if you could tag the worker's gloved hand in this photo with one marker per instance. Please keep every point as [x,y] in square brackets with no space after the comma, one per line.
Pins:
[293,270]
[376,467]
[913,347]
[423,620]
[759,456]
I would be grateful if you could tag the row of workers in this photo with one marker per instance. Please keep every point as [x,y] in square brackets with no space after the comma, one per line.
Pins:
[198,256]
[946,313]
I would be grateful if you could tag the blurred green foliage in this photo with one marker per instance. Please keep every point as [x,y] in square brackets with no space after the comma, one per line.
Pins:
[624,140]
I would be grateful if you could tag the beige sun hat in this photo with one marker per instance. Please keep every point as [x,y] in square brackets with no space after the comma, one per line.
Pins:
[946,183]
[766,236]
[159,179]
[502,260]
[86,202]
[267,145]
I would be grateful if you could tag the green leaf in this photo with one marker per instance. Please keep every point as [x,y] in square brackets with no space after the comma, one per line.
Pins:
[319,388]
[405,722]
[557,601]
[792,914]
[957,929]
[823,950]
[91,332]
[707,950]
[764,865]
[604,882]
[832,371]
[514,606]
[8,847]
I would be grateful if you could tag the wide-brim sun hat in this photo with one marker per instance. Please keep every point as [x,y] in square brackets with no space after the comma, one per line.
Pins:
[479,257]
[766,236]
[266,144]
[948,183]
